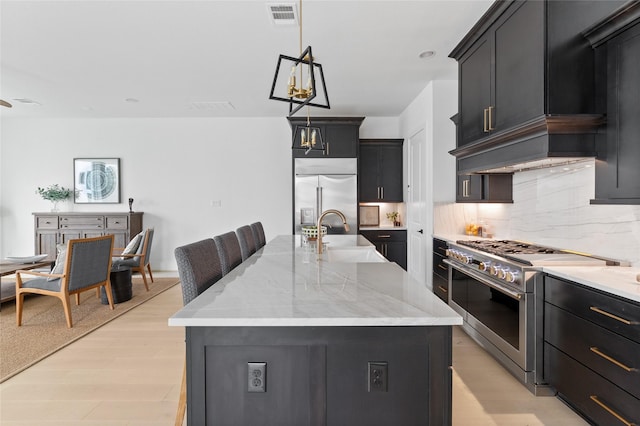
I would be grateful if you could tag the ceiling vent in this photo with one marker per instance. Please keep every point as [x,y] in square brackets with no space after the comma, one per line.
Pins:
[283,14]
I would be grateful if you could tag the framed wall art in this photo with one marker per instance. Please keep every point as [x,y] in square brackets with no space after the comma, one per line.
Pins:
[96,180]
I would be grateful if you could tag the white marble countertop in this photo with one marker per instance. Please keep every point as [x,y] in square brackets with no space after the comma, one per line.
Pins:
[284,284]
[618,280]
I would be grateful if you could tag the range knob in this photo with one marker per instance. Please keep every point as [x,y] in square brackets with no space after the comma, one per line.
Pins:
[493,270]
[467,258]
[502,273]
[511,276]
[484,266]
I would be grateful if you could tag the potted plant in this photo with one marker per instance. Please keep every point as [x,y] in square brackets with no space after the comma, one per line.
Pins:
[394,217]
[54,193]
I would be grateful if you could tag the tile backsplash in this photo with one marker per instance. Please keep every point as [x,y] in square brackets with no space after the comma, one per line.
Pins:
[551,207]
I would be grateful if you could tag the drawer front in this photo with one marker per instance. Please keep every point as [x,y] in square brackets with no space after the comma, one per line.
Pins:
[439,267]
[588,392]
[608,354]
[117,222]
[441,288]
[47,222]
[615,314]
[82,222]
[382,236]
[440,247]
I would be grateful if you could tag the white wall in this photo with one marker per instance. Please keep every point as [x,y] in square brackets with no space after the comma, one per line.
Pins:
[431,111]
[173,168]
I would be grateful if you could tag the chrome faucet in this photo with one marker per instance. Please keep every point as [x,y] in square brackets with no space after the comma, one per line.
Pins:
[319,225]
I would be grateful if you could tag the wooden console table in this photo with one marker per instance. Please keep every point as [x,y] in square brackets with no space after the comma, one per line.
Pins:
[58,228]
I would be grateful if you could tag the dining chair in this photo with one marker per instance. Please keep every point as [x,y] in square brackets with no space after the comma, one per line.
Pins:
[247,243]
[86,266]
[140,260]
[229,249]
[258,235]
[199,267]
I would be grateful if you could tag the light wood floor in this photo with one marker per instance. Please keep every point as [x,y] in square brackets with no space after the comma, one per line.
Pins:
[128,373]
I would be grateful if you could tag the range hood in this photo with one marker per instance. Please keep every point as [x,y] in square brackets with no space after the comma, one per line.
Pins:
[545,141]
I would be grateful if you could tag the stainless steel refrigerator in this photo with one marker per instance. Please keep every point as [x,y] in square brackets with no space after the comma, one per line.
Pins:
[325,183]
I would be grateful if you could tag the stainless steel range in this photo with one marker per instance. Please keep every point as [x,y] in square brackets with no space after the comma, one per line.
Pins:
[496,286]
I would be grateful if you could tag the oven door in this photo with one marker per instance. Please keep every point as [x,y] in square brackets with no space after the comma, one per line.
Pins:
[498,313]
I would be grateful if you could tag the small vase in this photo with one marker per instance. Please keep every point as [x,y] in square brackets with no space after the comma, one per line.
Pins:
[54,207]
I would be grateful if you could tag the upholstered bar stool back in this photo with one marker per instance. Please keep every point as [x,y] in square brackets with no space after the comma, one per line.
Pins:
[229,250]
[247,243]
[258,235]
[199,267]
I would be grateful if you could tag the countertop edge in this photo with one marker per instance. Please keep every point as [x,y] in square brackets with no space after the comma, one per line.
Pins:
[596,279]
[316,322]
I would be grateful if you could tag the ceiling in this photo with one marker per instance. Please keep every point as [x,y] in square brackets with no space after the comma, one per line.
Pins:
[213,58]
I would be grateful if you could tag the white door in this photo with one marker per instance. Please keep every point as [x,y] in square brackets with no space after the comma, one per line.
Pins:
[417,231]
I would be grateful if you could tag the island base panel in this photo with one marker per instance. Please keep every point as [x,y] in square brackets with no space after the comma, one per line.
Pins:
[319,375]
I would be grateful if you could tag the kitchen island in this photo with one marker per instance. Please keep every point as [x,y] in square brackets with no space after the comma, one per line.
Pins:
[288,338]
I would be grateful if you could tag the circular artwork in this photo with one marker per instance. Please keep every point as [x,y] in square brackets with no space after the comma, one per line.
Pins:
[100,181]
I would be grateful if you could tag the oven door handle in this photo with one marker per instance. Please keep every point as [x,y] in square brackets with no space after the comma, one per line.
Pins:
[483,280]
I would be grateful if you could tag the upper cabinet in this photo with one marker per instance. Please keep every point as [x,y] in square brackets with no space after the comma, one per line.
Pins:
[340,135]
[380,170]
[508,56]
[527,84]
[617,45]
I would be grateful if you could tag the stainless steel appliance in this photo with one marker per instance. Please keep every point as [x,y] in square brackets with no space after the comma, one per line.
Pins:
[496,287]
[325,183]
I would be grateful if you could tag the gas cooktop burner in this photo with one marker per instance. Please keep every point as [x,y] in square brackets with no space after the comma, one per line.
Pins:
[503,247]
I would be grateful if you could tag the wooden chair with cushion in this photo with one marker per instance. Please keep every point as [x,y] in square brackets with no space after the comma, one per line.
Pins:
[247,243]
[229,249]
[139,259]
[86,265]
[199,267]
[258,235]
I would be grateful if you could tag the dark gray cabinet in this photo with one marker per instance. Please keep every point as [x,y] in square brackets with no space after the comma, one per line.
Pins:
[527,84]
[501,77]
[617,48]
[58,228]
[341,136]
[392,244]
[440,270]
[380,170]
[319,375]
[485,188]
[591,346]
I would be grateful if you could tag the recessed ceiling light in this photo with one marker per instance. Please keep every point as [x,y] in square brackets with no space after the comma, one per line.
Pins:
[427,54]
[132,100]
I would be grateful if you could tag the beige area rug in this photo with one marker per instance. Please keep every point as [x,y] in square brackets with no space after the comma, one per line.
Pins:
[44,328]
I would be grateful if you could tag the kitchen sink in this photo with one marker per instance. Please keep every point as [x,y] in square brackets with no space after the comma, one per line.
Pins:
[353,255]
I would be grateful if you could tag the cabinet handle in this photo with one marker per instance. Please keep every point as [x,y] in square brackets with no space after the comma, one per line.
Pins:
[610,359]
[327,150]
[490,127]
[485,128]
[442,289]
[384,236]
[610,315]
[595,399]
[385,250]
[441,266]
[382,192]
[465,188]
[378,192]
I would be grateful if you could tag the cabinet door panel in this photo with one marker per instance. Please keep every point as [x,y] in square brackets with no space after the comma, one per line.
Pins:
[368,173]
[619,177]
[475,92]
[391,171]
[519,75]
[46,243]
[342,141]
